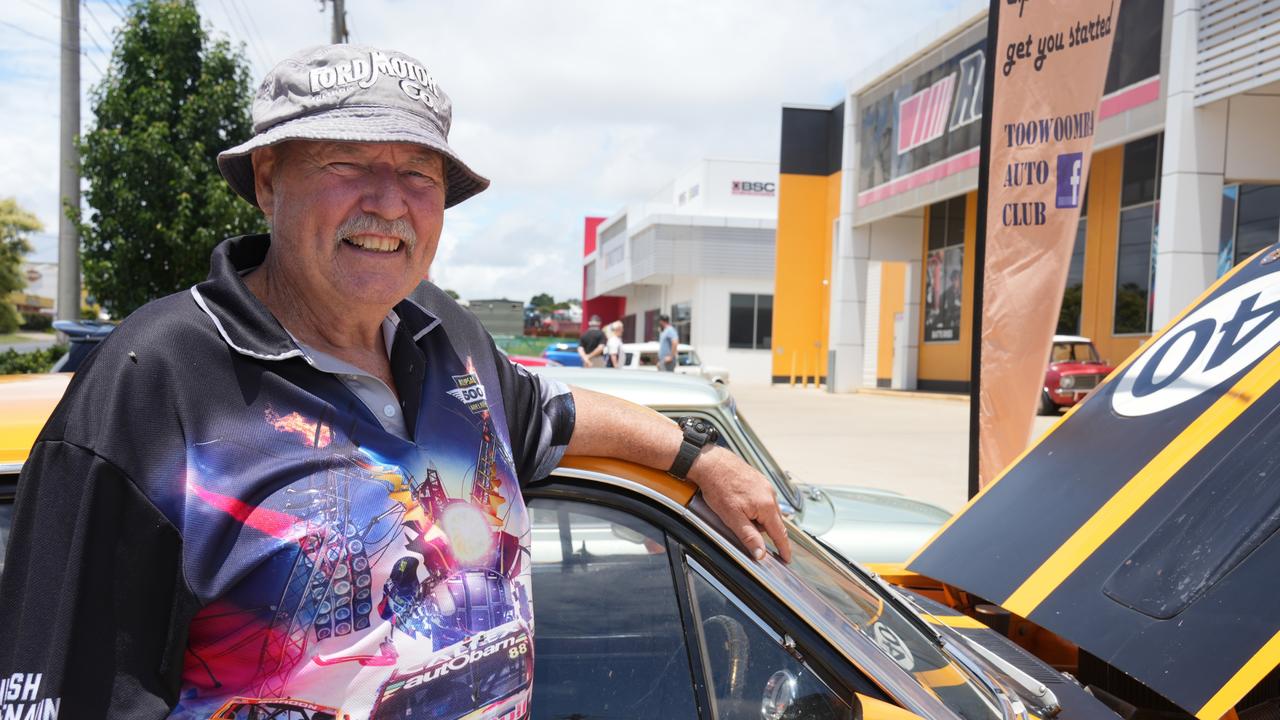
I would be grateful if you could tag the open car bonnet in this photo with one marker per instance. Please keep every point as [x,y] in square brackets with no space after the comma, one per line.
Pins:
[1142,526]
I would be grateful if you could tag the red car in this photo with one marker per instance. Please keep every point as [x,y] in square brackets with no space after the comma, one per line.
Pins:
[1074,371]
[529,360]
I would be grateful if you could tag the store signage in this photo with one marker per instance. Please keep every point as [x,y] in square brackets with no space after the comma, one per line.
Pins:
[938,109]
[753,187]
[1046,92]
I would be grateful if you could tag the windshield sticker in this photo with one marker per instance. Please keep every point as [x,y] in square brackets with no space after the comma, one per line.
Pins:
[893,646]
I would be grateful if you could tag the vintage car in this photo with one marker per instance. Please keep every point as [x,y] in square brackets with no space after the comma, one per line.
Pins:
[1074,371]
[863,524]
[644,356]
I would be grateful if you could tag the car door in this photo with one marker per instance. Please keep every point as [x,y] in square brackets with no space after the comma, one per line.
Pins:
[629,623]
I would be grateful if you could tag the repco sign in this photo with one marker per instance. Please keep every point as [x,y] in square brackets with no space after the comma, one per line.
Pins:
[1210,345]
[753,187]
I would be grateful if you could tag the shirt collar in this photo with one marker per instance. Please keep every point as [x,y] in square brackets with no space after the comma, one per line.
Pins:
[246,325]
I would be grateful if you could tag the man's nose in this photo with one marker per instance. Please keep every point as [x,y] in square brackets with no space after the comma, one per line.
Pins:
[384,196]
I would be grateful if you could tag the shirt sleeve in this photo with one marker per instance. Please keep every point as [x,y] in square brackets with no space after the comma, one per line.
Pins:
[540,417]
[93,606]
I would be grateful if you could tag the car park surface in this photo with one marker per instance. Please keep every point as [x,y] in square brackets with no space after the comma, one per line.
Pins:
[863,524]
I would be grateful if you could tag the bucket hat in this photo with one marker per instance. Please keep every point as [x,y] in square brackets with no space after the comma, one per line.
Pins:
[351,93]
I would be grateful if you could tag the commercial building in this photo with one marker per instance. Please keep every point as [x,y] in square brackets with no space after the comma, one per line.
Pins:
[877,195]
[700,250]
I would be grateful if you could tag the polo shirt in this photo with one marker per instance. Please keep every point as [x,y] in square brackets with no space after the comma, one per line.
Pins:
[210,526]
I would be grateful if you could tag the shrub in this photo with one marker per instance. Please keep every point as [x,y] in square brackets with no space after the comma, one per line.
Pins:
[13,362]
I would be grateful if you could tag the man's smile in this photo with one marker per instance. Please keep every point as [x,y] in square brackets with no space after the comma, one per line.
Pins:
[375,243]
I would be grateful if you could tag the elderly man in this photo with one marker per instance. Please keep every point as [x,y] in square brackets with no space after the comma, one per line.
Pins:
[293,484]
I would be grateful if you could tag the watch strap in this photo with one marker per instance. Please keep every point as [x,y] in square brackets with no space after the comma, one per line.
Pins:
[684,459]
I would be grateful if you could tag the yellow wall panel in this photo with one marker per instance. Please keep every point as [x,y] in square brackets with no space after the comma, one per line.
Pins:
[949,361]
[893,281]
[807,206]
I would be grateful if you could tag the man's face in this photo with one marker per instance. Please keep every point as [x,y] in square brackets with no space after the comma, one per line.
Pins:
[352,222]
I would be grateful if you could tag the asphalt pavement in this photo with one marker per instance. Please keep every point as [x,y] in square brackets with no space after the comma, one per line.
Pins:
[27,342]
[914,444]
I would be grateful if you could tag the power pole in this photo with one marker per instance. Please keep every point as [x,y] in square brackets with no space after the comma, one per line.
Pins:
[69,165]
[339,34]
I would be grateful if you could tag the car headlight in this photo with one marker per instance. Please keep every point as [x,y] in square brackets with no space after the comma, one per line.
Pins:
[1067,382]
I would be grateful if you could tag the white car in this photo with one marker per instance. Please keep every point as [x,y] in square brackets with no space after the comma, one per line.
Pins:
[644,356]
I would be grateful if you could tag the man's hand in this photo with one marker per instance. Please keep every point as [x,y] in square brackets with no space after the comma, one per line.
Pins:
[743,498]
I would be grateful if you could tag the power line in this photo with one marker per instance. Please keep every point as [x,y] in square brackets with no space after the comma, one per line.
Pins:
[94,17]
[253,25]
[233,20]
[113,4]
[51,41]
[43,9]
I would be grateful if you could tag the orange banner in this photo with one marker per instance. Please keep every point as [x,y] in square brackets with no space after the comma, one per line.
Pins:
[1049,68]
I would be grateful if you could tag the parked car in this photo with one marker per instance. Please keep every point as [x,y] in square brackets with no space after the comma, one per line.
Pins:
[648,608]
[82,337]
[565,353]
[1074,371]
[863,524]
[529,360]
[644,356]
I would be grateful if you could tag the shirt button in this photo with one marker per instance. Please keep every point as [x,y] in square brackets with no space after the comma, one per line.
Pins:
[389,410]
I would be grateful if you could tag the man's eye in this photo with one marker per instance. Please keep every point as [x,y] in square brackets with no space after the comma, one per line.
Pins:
[343,166]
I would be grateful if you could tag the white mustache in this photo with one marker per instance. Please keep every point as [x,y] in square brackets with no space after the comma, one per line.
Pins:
[372,224]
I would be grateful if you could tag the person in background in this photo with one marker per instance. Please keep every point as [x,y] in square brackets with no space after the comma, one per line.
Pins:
[613,345]
[668,344]
[591,344]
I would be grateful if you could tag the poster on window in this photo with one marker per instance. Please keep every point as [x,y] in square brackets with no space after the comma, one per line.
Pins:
[943,283]
[1046,91]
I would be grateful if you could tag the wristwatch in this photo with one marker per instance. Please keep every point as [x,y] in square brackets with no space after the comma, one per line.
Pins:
[698,434]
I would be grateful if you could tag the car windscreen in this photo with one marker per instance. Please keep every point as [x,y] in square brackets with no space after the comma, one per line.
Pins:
[771,465]
[841,603]
[1073,352]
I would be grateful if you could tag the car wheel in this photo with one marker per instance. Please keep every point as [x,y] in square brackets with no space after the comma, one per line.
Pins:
[1046,405]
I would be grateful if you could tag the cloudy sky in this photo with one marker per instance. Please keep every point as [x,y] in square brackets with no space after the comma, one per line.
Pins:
[572,107]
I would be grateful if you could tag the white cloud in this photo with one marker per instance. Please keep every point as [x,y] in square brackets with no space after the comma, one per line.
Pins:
[571,107]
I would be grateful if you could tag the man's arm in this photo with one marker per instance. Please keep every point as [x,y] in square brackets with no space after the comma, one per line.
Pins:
[738,493]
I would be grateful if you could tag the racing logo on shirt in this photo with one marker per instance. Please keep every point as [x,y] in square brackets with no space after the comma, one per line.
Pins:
[470,392]
[20,698]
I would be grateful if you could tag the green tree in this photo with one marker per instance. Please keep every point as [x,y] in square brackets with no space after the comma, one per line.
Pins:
[452,293]
[171,99]
[15,225]
[542,300]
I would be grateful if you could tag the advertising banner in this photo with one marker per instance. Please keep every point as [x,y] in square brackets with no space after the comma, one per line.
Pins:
[1047,76]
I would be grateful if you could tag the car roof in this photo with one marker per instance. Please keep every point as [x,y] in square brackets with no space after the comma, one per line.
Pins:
[651,345]
[29,400]
[1071,338]
[643,387]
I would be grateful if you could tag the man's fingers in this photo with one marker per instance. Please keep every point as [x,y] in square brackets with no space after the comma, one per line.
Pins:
[751,537]
[772,521]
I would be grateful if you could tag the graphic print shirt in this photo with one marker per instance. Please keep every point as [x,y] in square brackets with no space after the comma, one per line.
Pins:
[208,527]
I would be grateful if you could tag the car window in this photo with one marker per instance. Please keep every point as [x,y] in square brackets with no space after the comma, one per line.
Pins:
[648,359]
[609,641]
[1073,352]
[688,359]
[751,672]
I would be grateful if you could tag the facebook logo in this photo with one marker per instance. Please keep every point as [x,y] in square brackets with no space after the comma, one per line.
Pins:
[1070,180]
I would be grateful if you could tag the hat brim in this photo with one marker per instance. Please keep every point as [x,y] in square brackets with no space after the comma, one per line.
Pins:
[352,124]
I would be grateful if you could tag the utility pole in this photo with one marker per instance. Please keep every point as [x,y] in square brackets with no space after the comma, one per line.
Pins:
[69,165]
[339,34]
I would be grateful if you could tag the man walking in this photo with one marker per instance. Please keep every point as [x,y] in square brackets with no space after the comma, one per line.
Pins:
[668,344]
[280,488]
[591,344]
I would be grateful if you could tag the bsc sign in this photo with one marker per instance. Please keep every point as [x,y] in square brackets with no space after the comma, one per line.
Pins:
[1210,345]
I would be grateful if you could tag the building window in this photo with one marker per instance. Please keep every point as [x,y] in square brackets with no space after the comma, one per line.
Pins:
[1250,222]
[1073,293]
[682,319]
[750,321]
[650,325]
[944,274]
[629,328]
[1136,252]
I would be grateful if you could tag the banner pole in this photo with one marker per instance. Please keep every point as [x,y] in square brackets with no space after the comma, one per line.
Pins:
[980,246]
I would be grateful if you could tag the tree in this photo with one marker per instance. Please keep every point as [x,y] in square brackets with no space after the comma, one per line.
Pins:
[15,225]
[452,293]
[542,300]
[171,99]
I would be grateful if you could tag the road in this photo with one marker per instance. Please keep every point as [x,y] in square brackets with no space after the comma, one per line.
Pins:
[916,445]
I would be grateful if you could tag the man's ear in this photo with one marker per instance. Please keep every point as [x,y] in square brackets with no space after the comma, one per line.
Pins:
[264,165]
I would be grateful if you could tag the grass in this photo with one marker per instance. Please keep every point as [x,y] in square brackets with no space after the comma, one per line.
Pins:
[526,345]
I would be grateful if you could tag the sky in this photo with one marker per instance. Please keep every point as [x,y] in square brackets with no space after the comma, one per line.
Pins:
[572,108]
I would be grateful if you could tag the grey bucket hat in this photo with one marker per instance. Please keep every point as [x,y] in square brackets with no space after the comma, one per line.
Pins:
[350,93]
